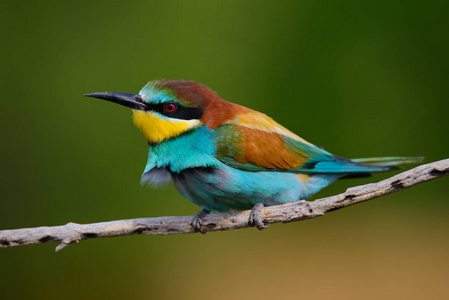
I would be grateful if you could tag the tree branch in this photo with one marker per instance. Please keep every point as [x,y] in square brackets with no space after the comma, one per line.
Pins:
[297,211]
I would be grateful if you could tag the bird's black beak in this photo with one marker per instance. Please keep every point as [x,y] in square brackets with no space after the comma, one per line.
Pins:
[129,100]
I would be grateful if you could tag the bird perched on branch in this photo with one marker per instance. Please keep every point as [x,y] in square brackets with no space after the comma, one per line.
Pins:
[223,156]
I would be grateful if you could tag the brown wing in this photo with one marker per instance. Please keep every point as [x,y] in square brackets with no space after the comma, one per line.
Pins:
[253,141]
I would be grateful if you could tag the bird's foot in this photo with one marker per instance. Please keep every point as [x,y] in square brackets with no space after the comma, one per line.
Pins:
[254,217]
[197,221]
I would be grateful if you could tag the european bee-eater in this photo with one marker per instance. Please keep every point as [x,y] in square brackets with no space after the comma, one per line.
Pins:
[223,156]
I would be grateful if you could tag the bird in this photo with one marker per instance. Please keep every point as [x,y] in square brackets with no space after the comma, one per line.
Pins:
[226,157]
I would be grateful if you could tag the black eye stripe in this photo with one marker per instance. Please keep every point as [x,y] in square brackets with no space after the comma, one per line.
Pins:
[184,113]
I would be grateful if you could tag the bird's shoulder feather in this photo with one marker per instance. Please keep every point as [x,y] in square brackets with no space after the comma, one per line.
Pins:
[252,141]
[255,142]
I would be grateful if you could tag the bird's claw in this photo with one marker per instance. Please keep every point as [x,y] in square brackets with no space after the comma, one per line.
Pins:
[197,221]
[254,217]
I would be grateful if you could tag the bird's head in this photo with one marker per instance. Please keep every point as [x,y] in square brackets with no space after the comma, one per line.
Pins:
[165,109]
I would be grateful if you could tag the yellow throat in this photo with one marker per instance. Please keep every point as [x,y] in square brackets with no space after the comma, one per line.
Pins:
[157,128]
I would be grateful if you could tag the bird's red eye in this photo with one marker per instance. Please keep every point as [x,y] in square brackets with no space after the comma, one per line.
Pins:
[170,107]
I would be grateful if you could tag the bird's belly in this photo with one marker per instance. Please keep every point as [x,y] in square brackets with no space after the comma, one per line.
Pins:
[225,188]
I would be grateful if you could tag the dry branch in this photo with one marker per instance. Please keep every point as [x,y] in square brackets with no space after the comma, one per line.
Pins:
[301,210]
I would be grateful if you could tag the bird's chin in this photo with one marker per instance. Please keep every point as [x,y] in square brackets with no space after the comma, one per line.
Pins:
[157,128]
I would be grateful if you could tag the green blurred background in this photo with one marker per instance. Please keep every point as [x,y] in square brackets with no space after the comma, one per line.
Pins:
[361,78]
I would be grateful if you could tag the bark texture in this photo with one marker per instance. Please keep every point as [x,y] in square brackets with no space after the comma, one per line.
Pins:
[297,211]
